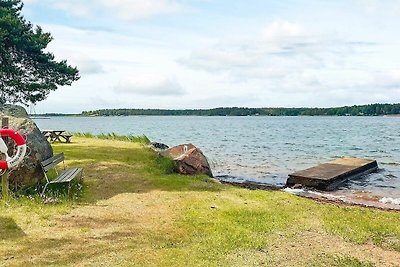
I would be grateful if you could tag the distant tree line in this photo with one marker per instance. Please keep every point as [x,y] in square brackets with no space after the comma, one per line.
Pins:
[362,110]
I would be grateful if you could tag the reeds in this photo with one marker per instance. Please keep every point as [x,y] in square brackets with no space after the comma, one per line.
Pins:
[142,139]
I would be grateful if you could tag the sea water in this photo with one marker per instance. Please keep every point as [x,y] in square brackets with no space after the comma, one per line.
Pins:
[267,149]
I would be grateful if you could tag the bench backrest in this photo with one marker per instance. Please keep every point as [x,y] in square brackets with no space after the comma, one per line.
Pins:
[52,162]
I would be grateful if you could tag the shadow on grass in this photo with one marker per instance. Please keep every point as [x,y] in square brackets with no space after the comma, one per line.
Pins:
[79,250]
[46,251]
[109,171]
[9,229]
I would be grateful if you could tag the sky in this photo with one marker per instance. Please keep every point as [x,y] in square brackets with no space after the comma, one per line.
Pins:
[178,54]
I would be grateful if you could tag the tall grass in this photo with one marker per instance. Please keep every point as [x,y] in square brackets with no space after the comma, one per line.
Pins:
[142,139]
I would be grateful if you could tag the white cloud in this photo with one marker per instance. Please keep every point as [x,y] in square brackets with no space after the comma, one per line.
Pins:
[280,45]
[72,7]
[285,58]
[150,85]
[122,9]
[86,66]
[386,7]
[230,53]
[139,9]
[278,30]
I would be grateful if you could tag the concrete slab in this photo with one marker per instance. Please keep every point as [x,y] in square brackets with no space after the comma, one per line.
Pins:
[329,175]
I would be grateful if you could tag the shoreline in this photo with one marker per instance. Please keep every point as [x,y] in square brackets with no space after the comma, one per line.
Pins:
[321,197]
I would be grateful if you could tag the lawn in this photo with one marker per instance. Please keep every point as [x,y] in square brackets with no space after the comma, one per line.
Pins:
[133,213]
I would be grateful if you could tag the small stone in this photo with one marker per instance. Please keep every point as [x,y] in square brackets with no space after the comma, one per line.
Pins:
[158,146]
[50,200]
[297,186]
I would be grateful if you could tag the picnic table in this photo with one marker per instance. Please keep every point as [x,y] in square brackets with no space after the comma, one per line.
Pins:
[57,135]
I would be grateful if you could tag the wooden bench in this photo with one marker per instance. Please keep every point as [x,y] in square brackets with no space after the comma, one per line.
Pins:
[65,177]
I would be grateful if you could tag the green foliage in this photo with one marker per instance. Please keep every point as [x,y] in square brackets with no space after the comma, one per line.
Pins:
[27,72]
[365,110]
[164,164]
[142,139]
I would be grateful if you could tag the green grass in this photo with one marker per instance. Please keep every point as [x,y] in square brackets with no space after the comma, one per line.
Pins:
[134,212]
[339,261]
[142,139]
[363,225]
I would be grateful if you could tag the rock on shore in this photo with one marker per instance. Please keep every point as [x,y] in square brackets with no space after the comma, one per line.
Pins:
[29,172]
[189,160]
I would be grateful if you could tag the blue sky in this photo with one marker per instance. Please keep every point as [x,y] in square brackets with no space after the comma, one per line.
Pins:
[213,53]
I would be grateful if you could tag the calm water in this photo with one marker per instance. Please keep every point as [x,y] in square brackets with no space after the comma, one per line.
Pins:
[266,149]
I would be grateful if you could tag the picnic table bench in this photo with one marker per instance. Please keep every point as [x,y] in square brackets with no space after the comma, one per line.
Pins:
[57,135]
[65,177]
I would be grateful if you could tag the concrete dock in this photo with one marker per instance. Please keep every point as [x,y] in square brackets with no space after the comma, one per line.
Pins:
[329,175]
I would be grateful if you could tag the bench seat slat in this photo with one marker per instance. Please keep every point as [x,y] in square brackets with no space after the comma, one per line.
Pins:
[71,175]
[60,178]
[66,176]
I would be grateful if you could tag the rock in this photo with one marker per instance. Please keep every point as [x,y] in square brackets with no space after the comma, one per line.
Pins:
[189,160]
[297,186]
[158,146]
[29,172]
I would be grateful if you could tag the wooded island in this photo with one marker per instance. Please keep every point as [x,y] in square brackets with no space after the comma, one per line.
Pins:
[361,110]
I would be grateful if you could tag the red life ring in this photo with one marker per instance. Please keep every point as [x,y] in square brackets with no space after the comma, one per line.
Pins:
[21,148]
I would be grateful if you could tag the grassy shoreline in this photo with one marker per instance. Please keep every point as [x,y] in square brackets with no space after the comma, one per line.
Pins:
[134,213]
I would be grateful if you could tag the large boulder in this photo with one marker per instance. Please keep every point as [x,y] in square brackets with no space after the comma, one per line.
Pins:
[29,171]
[189,160]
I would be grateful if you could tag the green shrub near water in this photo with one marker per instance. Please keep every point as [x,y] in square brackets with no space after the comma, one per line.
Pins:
[113,136]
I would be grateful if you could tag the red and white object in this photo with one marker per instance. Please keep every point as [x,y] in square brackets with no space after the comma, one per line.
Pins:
[21,148]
